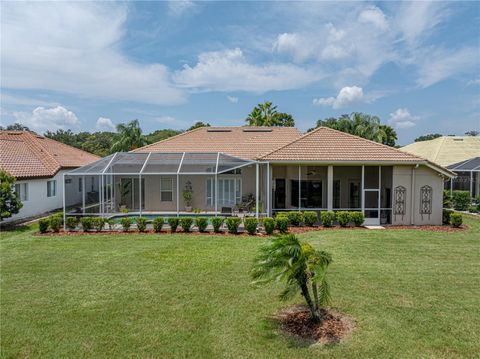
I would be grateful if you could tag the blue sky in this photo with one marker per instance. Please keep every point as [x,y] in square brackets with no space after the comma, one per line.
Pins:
[91,65]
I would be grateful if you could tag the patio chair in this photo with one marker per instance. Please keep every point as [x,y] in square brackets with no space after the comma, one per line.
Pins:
[228,211]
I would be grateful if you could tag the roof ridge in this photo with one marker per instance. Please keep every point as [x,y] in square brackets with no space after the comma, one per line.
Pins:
[168,139]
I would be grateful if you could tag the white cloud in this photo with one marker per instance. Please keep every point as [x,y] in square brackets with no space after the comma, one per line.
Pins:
[474,82]
[229,70]
[73,47]
[294,44]
[375,16]
[178,7]
[105,124]
[402,118]
[345,97]
[43,118]
[232,99]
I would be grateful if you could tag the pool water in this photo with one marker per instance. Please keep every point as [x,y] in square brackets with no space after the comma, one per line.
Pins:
[150,217]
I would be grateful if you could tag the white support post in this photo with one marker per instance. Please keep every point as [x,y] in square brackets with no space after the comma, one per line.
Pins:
[100,185]
[178,195]
[362,193]
[216,195]
[299,186]
[83,194]
[330,188]
[471,184]
[256,189]
[451,186]
[64,209]
[268,190]
[140,193]
[379,190]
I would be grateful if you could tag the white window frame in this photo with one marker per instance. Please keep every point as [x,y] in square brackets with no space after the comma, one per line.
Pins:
[165,190]
[237,191]
[49,188]
[22,192]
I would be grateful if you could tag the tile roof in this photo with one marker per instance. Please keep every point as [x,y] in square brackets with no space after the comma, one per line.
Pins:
[446,150]
[25,154]
[325,144]
[245,142]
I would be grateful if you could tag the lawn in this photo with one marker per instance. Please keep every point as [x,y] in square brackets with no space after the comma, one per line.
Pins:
[413,294]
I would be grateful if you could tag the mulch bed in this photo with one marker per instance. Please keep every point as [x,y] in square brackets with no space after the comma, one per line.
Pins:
[333,328]
[462,228]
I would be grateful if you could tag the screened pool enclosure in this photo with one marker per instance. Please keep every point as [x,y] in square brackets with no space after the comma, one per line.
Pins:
[167,183]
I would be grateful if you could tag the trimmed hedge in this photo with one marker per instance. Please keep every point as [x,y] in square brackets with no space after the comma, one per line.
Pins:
[461,200]
[446,213]
[126,223]
[327,218]
[71,223]
[343,218]
[250,224]
[186,223]
[141,223]
[233,223]
[310,218]
[357,218]
[281,222]
[173,223]
[295,218]
[43,225]
[456,219]
[217,223]
[55,223]
[98,223]
[86,223]
[268,225]
[201,223]
[158,223]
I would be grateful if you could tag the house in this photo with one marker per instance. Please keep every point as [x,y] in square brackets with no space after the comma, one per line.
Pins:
[460,154]
[38,164]
[264,170]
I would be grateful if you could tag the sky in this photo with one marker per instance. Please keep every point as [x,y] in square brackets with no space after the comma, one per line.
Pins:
[88,66]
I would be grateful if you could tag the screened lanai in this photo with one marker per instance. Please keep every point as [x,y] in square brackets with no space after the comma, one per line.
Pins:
[143,183]
[468,176]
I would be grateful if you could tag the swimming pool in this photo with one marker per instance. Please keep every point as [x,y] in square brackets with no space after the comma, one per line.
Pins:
[150,217]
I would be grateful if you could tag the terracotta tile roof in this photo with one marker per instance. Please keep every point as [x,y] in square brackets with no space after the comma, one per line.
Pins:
[26,155]
[245,142]
[325,144]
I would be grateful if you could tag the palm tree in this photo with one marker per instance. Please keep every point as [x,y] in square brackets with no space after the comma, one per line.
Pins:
[266,114]
[300,266]
[129,137]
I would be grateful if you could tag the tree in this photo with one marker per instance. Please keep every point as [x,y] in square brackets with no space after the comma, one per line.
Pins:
[362,125]
[10,204]
[160,135]
[300,266]
[197,125]
[129,137]
[428,137]
[472,133]
[67,137]
[265,114]
[16,127]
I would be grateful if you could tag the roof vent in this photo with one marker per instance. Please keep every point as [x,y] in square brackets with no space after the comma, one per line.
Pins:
[257,130]
[458,139]
[219,130]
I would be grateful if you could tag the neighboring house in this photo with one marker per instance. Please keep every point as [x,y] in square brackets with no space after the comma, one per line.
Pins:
[263,170]
[38,163]
[460,154]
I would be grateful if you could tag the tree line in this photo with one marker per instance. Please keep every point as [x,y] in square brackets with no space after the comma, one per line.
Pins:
[130,136]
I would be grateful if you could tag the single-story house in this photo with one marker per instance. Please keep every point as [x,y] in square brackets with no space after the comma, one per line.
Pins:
[460,154]
[38,164]
[264,170]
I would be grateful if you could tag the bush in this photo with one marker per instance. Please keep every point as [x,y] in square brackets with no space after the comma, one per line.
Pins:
[71,223]
[295,218]
[217,223]
[343,218]
[233,223]
[250,224]
[110,222]
[281,222]
[141,223]
[186,223]
[461,200]
[98,223]
[478,203]
[327,218]
[201,223]
[126,222]
[269,225]
[473,209]
[446,213]
[456,219]
[158,223]
[310,218]
[357,218]
[86,223]
[447,199]
[43,225]
[173,223]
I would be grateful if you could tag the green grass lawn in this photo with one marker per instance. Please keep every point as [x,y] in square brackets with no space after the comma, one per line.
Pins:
[413,294]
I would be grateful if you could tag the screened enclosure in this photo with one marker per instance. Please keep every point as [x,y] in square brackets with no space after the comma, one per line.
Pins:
[468,176]
[173,183]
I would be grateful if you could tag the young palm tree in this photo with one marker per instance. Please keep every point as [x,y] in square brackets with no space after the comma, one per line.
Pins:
[129,137]
[300,266]
[266,114]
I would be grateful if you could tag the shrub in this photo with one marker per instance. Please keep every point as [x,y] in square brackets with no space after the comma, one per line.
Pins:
[86,223]
[478,203]
[461,200]
[98,223]
[158,223]
[59,217]
[269,225]
[446,213]
[141,223]
[343,218]
[447,199]
[110,222]
[201,223]
[295,218]
[55,223]
[233,223]
[186,223]
[456,219]
[71,223]
[43,225]
[357,218]
[473,209]
[126,222]
[281,222]
[173,223]
[250,224]
[310,218]
[327,218]
[217,223]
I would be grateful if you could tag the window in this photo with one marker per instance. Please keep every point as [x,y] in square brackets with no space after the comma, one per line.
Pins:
[80,184]
[354,194]
[229,191]
[21,189]
[51,188]
[310,195]
[166,189]
[336,194]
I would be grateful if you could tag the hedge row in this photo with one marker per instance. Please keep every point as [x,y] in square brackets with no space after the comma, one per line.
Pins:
[450,217]
[327,218]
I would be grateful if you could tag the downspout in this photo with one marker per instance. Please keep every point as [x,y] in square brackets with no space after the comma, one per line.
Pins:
[412,196]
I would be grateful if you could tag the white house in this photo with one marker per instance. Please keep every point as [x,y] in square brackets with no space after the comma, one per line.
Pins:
[38,163]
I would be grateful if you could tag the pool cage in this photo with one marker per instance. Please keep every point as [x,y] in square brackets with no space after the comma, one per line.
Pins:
[468,176]
[150,183]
